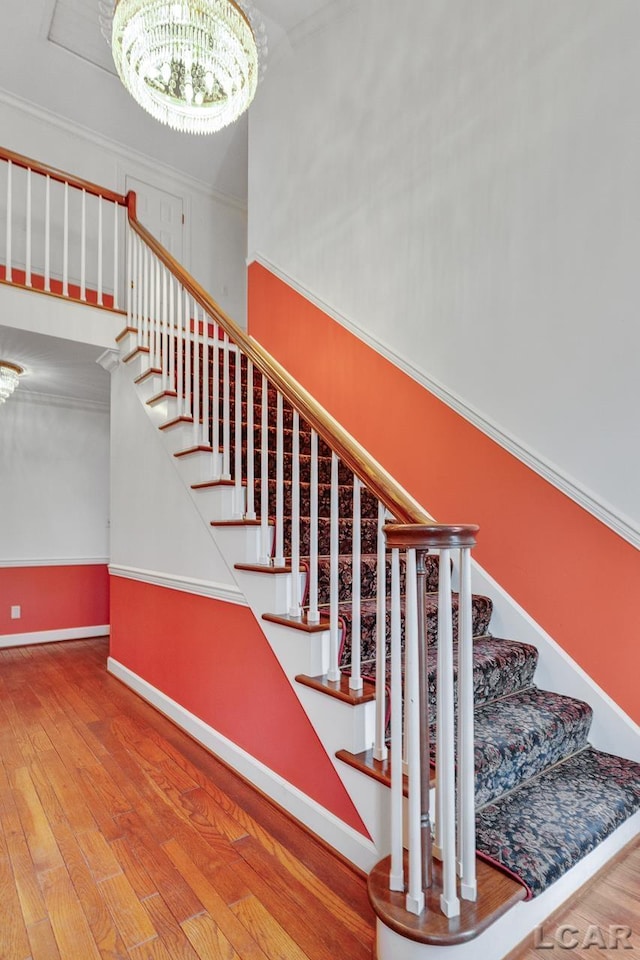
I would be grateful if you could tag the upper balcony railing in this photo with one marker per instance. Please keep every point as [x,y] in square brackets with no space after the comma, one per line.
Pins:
[62,235]
[67,236]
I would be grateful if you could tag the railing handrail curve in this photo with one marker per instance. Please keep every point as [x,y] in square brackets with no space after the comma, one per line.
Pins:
[381,484]
[60,176]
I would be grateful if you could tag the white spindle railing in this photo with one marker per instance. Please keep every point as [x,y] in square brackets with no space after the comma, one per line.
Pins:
[54,212]
[198,346]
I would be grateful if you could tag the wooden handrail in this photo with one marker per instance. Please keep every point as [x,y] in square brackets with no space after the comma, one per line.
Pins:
[28,164]
[381,484]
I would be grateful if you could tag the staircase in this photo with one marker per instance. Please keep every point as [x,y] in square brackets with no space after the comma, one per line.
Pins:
[444,740]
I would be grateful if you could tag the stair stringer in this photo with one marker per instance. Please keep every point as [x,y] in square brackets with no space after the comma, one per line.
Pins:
[240,544]
[297,653]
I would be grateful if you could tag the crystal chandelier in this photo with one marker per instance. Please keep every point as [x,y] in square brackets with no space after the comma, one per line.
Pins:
[9,375]
[192,64]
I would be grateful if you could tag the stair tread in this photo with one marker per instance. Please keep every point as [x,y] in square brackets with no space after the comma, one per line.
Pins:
[518,736]
[550,822]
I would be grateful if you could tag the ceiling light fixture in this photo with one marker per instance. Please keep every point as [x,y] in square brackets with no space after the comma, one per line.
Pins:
[192,64]
[9,378]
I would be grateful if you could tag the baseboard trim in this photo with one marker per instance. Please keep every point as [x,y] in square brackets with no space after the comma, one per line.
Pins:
[624,526]
[53,636]
[352,845]
[226,592]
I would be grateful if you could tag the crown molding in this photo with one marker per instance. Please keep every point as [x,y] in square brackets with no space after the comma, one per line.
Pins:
[121,150]
[613,518]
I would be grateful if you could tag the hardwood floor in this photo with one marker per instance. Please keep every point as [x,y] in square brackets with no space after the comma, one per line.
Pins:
[122,839]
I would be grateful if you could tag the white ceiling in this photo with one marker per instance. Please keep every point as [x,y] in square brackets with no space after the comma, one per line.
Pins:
[37,64]
[53,54]
[56,368]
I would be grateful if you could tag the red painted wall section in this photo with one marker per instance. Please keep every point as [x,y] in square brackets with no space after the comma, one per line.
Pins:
[579,580]
[213,659]
[54,598]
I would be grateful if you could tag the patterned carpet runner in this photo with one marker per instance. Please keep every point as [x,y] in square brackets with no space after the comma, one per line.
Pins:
[545,797]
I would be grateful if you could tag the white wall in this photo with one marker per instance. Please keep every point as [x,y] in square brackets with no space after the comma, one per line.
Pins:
[462,186]
[54,481]
[215,226]
[155,525]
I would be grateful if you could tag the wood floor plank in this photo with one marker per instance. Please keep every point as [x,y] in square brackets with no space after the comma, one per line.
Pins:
[237,934]
[320,931]
[39,836]
[274,940]
[207,939]
[129,915]
[104,930]
[99,855]
[179,896]
[15,943]
[42,941]
[170,933]
[70,926]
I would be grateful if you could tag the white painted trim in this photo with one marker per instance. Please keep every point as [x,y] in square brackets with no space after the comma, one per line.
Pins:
[120,149]
[53,636]
[227,592]
[612,730]
[621,524]
[56,562]
[326,825]
[56,400]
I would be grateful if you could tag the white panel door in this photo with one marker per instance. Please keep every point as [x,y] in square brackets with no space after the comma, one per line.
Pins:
[161,213]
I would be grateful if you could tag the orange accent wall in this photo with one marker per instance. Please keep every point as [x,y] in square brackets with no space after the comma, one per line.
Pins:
[54,598]
[213,659]
[578,579]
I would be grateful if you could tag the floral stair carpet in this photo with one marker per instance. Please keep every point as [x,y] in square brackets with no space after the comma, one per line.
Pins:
[545,797]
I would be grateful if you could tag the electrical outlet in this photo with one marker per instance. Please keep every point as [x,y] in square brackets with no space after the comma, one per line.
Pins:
[16,613]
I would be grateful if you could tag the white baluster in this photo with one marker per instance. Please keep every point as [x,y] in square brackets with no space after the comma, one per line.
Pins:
[445,760]
[115,256]
[278,559]
[237,469]
[415,896]
[164,337]
[172,334]
[197,378]
[134,286]
[146,309]
[47,234]
[65,243]
[83,247]
[180,352]
[295,610]
[129,238]
[8,269]
[265,547]
[27,269]
[188,365]
[355,680]
[251,490]
[206,394]
[100,251]
[380,751]
[466,785]
[226,411]
[334,571]
[396,875]
[153,313]
[215,404]
[313,615]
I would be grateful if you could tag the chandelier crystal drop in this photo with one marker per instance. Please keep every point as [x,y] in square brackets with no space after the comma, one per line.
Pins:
[9,377]
[191,64]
